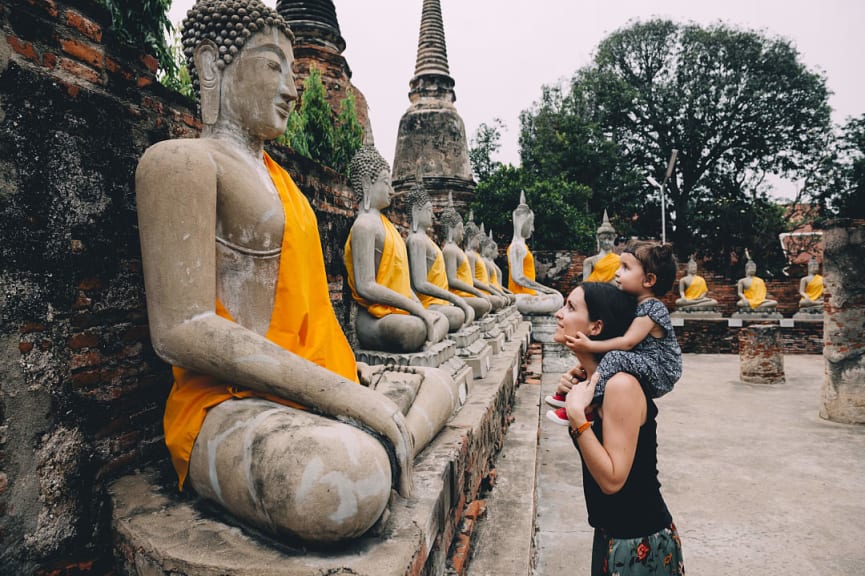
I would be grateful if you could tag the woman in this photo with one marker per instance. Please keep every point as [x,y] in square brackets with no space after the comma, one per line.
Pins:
[634,532]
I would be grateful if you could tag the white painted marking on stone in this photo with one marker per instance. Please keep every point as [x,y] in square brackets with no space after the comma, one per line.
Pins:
[252,427]
[212,446]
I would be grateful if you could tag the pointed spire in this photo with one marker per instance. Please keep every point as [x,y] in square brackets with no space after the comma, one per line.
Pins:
[523,200]
[432,55]
[313,21]
[606,227]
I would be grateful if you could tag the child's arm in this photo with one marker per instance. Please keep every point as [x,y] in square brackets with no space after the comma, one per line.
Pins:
[639,329]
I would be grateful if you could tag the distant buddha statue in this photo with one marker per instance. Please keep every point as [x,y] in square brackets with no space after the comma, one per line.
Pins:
[693,290]
[480,275]
[390,316]
[238,303]
[428,275]
[532,296]
[811,289]
[457,269]
[489,250]
[602,266]
[752,291]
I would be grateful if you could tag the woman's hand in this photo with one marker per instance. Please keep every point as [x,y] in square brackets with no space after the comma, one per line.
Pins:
[580,343]
[578,401]
[569,378]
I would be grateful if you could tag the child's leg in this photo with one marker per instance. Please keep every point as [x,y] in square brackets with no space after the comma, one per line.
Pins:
[631,362]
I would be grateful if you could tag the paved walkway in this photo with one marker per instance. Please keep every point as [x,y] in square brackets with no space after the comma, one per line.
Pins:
[757,482]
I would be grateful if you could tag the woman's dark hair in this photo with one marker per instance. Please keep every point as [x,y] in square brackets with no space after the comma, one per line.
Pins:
[657,259]
[611,306]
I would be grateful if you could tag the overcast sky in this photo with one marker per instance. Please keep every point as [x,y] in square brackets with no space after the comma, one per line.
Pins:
[502,51]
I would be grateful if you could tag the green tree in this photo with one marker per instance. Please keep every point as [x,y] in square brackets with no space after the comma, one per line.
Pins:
[485,143]
[180,80]
[838,185]
[144,23]
[348,136]
[737,105]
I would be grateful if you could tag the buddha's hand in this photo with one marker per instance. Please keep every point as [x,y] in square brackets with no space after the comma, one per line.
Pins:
[430,321]
[469,312]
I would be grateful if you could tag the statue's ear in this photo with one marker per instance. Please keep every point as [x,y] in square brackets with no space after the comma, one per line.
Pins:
[366,184]
[209,75]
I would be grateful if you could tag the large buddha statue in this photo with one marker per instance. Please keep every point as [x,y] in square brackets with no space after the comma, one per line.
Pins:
[532,296]
[238,303]
[811,289]
[693,290]
[428,276]
[480,275]
[752,291]
[390,316]
[457,269]
[602,266]
[489,250]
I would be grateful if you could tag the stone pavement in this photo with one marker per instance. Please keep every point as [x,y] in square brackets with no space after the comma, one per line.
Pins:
[757,482]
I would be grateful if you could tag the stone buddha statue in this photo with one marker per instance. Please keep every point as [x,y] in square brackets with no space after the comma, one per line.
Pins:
[532,296]
[489,250]
[390,316]
[266,417]
[752,291]
[602,266]
[693,290]
[428,276]
[457,269]
[480,275]
[811,289]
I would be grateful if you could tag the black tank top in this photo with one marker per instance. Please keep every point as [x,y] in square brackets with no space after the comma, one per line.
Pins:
[638,509]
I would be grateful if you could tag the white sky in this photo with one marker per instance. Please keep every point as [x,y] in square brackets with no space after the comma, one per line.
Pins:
[501,51]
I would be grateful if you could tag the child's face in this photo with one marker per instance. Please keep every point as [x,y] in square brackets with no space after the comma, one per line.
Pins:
[630,276]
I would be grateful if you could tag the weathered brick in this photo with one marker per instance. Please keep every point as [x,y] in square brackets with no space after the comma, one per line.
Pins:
[150,63]
[23,47]
[48,6]
[79,341]
[29,327]
[87,378]
[83,52]
[81,71]
[85,359]
[84,25]
[25,347]
[144,81]
[49,60]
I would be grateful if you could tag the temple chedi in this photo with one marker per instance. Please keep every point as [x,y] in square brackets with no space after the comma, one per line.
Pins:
[318,43]
[432,136]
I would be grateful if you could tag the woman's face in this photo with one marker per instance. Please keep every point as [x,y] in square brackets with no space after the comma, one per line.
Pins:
[573,317]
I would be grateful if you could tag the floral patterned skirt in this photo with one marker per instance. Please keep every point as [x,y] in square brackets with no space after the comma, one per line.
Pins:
[659,554]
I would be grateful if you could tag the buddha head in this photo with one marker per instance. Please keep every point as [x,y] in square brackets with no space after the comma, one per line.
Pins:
[750,268]
[524,218]
[488,245]
[451,221]
[606,234]
[471,233]
[420,206]
[813,266]
[240,58]
[692,266]
[370,178]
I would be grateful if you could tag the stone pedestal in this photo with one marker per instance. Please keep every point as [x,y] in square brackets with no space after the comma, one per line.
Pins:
[750,314]
[843,390]
[439,355]
[492,332]
[808,315]
[761,360]
[473,350]
[543,327]
[694,312]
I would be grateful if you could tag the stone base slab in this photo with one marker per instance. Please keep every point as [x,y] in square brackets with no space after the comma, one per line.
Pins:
[478,356]
[465,336]
[808,317]
[745,315]
[157,531]
[433,356]
[696,313]
[543,328]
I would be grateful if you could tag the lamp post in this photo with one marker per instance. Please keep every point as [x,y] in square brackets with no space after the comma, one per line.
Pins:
[661,188]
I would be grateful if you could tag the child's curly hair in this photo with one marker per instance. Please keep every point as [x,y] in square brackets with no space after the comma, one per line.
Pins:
[656,259]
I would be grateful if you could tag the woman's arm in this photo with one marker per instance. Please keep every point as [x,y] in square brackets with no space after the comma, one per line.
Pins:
[624,411]
[641,327]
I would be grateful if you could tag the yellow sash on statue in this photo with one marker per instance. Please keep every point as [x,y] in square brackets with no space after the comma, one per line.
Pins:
[302,321]
[481,273]
[756,292]
[696,289]
[437,276]
[464,273]
[494,279]
[814,289]
[528,272]
[604,269]
[393,270]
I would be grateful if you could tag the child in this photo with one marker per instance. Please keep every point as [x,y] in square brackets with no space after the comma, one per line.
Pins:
[649,349]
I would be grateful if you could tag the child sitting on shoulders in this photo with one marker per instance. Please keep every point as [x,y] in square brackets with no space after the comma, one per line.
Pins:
[648,350]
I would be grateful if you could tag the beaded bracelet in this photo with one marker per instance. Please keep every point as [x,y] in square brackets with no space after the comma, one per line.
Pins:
[580,429]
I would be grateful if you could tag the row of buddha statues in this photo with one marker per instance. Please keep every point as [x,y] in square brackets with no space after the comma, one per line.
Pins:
[693,291]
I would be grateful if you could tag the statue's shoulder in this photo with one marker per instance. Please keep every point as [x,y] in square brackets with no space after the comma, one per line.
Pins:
[192,154]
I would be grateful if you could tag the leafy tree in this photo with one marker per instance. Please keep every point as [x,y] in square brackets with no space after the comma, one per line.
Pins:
[144,23]
[838,184]
[482,147]
[348,136]
[180,80]
[736,104]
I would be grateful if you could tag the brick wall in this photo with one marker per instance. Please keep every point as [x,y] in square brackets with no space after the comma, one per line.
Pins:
[81,390]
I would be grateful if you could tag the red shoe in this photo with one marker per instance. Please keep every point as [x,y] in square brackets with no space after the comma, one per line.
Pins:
[559,416]
[557,400]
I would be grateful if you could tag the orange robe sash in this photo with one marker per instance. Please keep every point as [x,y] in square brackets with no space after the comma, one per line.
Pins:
[814,289]
[302,321]
[481,272]
[756,292]
[393,270]
[604,269]
[696,289]
[528,272]
[464,273]
[437,276]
